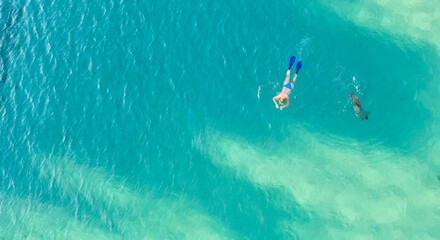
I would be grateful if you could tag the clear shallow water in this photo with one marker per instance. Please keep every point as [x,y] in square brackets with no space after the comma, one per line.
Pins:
[154,121]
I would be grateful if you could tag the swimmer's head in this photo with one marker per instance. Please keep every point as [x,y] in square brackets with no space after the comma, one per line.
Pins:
[282,101]
[355,99]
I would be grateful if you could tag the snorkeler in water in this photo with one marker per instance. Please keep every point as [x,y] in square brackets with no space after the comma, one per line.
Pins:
[358,111]
[282,99]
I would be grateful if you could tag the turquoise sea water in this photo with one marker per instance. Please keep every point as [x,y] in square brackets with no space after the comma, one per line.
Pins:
[154,120]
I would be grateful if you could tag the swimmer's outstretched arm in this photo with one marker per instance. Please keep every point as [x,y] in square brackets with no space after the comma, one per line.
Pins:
[274,101]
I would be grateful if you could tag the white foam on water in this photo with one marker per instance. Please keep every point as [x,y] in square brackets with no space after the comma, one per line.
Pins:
[135,214]
[350,190]
[356,84]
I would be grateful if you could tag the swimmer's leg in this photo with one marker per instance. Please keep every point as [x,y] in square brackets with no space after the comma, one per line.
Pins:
[294,78]
[287,80]
[298,67]
[291,62]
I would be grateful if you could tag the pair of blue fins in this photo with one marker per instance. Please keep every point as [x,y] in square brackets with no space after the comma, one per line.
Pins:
[298,65]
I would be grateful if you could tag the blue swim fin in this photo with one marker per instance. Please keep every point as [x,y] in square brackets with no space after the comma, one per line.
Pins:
[292,61]
[298,66]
